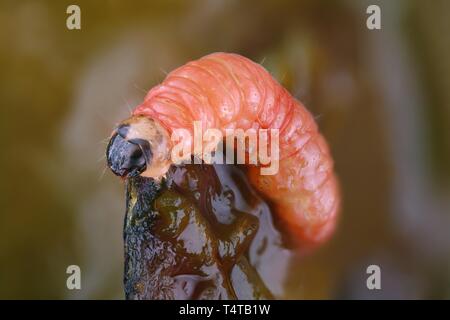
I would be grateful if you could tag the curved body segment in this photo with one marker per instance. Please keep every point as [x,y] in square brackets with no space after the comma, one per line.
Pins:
[228,91]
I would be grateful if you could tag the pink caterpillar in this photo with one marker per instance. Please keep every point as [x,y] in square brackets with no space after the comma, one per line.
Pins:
[228,91]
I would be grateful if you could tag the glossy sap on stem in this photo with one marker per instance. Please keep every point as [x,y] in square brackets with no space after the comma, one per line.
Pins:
[185,238]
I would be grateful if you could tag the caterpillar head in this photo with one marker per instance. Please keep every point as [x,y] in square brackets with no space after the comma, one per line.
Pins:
[139,146]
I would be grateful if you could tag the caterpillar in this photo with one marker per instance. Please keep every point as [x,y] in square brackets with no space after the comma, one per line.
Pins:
[228,91]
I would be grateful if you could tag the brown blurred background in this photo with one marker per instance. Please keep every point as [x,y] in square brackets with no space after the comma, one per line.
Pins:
[380,97]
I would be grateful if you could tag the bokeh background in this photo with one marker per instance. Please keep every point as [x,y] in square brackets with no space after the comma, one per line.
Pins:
[380,97]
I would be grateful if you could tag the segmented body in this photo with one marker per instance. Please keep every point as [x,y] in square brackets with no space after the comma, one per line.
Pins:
[228,91]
